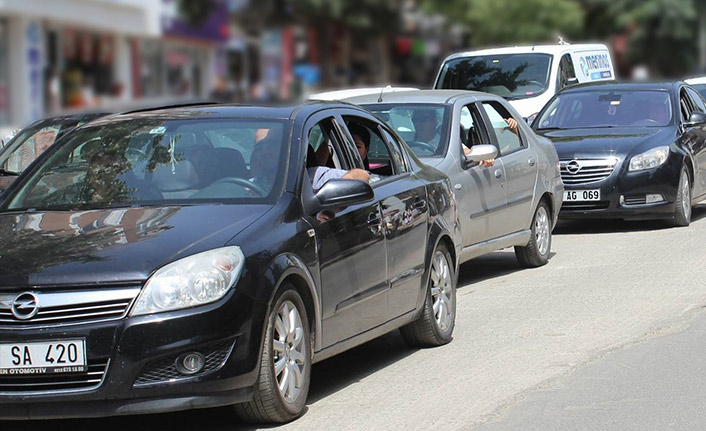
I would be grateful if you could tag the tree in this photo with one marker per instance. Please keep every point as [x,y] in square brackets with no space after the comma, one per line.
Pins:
[505,22]
[195,12]
[661,33]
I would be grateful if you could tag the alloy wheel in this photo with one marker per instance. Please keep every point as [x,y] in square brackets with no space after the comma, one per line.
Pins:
[442,291]
[686,197]
[288,351]
[541,230]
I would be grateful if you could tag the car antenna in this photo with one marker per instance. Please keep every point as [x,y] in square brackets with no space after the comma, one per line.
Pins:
[382,90]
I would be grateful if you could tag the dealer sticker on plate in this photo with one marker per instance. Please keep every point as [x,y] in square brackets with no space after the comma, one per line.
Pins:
[582,195]
[51,357]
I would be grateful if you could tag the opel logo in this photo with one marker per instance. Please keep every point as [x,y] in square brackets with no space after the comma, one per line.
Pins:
[25,306]
[573,167]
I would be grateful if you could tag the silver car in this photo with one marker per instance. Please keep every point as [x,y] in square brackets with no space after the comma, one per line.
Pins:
[514,202]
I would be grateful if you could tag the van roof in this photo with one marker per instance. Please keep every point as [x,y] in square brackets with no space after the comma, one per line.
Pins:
[542,49]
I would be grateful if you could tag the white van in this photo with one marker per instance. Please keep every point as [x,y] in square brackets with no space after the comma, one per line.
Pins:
[527,76]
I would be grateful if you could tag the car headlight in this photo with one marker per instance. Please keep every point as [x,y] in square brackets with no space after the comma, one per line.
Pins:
[649,159]
[195,280]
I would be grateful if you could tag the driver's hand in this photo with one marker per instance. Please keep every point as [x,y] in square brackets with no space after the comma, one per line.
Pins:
[487,163]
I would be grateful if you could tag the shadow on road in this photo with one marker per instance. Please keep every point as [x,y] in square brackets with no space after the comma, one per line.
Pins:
[572,227]
[489,266]
[327,378]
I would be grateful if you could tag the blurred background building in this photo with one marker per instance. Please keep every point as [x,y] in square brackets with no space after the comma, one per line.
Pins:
[66,56]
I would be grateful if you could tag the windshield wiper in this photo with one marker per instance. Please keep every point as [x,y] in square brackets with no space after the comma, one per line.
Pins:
[11,173]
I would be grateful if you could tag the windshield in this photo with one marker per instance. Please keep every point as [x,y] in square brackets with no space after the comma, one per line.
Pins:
[422,126]
[32,141]
[512,76]
[154,161]
[701,88]
[586,109]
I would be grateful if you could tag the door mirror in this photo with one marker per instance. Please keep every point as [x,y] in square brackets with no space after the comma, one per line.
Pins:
[696,119]
[343,192]
[572,81]
[479,153]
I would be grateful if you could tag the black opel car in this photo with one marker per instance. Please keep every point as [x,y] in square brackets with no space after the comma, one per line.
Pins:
[629,150]
[180,258]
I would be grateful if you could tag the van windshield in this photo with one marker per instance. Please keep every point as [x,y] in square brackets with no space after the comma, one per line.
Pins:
[512,76]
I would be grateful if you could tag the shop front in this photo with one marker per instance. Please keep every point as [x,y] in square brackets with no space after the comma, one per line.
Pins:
[4,76]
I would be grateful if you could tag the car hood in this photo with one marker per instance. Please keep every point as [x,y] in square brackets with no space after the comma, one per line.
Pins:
[619,142]
[110,246]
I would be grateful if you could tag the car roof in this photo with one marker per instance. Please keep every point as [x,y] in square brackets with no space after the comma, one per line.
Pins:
[697,80]
[527,49]
[618,86]
[418,96]
[352,92]
[215,111]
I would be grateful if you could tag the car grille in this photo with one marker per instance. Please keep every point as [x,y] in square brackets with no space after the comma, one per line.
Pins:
[584,206]
[56,382]
[68,306]
[164,370]
[584,171]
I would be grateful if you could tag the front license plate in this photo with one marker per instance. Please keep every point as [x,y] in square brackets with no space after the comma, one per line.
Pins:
[582,195]
[64,356]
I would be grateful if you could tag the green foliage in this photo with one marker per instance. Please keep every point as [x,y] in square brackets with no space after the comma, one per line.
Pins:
[662,33]
[195,12]
[373,16]
[503,22]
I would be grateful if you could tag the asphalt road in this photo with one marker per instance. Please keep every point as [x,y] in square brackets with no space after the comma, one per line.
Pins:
[524,340]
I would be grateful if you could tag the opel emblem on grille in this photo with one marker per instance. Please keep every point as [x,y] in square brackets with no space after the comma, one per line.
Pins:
[573,167]
[25,306]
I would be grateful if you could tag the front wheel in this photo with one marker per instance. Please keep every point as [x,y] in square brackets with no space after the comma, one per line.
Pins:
[285,366]
[682,207]
[536,252]
[436,323]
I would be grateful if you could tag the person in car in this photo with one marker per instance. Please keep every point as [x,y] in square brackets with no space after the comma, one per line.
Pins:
[361,137]
[425,127]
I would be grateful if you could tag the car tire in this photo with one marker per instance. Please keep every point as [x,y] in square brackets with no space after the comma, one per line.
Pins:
[536,252]
[280,396]
[682,206]
[434,327]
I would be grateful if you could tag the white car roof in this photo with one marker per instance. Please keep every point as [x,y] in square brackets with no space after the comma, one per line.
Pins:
[543,49]
[352,92]
[697,80]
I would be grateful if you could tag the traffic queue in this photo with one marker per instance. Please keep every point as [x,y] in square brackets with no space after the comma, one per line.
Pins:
[207,255]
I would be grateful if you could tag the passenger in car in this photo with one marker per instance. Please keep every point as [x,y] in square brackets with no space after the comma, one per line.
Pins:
[319,175]
[361,137]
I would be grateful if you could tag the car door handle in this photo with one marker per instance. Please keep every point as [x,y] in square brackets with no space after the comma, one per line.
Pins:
[531,161]
[498,173]
[419,203]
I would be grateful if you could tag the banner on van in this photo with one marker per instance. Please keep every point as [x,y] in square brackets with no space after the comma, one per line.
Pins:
[592,66]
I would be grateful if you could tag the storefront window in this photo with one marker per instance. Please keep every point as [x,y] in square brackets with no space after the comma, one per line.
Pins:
[88,65]
[4,93]
[150,68]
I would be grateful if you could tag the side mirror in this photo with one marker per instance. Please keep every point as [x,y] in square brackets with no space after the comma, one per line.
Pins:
[343,192]
[479,153]
[696,119]
[572,81]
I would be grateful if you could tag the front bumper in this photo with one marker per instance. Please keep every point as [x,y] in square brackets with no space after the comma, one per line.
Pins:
[139,352]
[663,180]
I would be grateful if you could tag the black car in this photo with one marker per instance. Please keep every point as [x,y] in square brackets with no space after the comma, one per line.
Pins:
[30,142]
[172,259]
[629,150]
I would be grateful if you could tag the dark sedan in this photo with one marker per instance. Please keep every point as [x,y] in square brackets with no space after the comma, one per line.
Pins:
[629,150]
[180,258]
[30,142]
